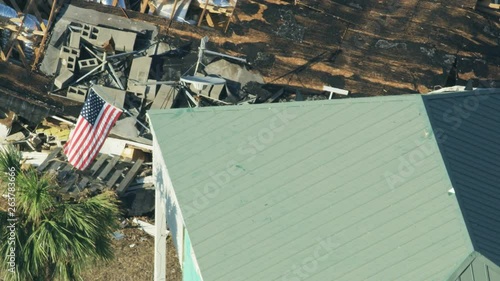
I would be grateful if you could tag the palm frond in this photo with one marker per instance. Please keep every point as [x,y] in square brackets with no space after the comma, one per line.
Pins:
[10,160]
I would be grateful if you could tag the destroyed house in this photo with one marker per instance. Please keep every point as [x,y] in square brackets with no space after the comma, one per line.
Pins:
[384,188]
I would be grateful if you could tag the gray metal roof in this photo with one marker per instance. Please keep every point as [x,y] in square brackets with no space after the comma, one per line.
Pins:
[470,125]
[314,190]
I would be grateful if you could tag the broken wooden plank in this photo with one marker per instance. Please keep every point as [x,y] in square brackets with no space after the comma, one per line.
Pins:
[39,51]
[54,166]
[203,13]
[111,164]
[83,183]
[67,168]
[114,178]
[98,163]
[131,174]
[49,159]
[144,5]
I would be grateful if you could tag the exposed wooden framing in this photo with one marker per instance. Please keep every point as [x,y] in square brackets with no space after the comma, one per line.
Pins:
[144,5]
[41,48]
[174,8]
[131,174]
[95,167]
[152,7]
[49,159]
[111,164]
[203,13]
[121,173]
[114,178]
[230,18]
[227,11]
[10,44]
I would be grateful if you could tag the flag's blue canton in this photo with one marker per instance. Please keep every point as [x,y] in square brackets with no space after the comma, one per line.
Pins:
[92,107]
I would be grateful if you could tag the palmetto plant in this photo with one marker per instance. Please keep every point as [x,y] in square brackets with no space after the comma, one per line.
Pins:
[55,239]
[10,158]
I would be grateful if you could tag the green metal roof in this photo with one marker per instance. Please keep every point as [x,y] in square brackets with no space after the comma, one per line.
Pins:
[469,123]
[476,267]
[351,189]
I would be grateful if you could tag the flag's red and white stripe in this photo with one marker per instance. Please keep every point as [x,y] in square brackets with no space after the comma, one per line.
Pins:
[86,139]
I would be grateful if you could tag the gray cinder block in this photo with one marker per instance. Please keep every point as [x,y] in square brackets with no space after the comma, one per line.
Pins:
[87,65]
[65,77]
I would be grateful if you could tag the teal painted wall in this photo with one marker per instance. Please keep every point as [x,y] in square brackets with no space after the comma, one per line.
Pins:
[189,272]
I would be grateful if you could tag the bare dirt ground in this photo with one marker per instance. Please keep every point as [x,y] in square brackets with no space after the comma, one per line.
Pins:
[130,263]
[134,263]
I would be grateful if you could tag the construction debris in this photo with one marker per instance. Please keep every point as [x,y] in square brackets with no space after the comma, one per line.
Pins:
[137,65]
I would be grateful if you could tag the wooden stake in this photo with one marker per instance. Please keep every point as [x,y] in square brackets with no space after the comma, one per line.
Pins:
[144,5]
[40,49]
[173,11]
[230,18]
[203,13]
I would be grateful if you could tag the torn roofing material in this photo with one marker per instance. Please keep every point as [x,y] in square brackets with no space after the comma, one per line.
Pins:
[363,176]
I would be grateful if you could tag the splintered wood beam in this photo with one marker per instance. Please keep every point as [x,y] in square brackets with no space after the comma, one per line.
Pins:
[40,49]
[115,2]
[144,5]
[230,18]
[174,8]
[152,7]
[13,40]
[131,174]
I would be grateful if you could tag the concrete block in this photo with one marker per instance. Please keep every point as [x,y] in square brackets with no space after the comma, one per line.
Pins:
[77,93]
[151,90]
[115,97]
[165,97]
[87,65]
[69,62]
[74,40]
[90,32]
[65,77]
[124,41]
[139,72]
[67,51]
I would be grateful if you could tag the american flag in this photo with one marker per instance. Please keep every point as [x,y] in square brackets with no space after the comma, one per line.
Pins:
[93,126]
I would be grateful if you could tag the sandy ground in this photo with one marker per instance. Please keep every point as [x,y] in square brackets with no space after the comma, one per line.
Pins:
[134,263]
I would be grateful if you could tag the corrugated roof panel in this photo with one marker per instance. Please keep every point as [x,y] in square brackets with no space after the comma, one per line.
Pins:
[471,150]
[266,188]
